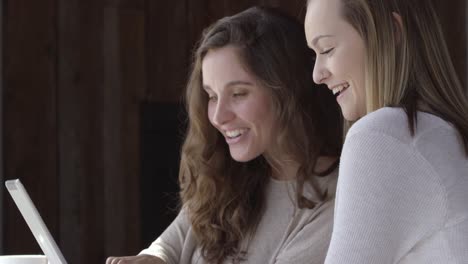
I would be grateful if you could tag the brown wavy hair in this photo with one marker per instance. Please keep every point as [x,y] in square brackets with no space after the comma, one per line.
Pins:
[408,65]
[224,198]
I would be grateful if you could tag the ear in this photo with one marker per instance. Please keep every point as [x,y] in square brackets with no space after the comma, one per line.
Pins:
[399,25]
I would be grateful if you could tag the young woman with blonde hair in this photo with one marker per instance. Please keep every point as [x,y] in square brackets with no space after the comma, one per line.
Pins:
[403,183]
[258,168]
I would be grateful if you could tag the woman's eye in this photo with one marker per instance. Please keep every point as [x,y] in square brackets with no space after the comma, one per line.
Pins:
[327,51]
[212,98]
[239,94]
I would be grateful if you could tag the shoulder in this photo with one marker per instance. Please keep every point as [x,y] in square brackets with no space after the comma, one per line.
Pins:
[415,184]
[432,161]
[435,141]
[393,122]
[379,150]
[379,121]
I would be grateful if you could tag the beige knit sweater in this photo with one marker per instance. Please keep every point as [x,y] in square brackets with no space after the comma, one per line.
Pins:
[285,233]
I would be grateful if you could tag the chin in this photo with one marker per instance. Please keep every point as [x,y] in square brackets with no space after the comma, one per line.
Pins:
[350,115]
[243,158]
[350,118]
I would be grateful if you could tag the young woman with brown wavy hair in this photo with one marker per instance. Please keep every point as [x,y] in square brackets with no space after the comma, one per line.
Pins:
[258,166]
[403,182]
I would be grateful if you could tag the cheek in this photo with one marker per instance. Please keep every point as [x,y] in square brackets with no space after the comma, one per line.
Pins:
[210,112]
[344,64]
[358,65]
[267,118]
[358,78]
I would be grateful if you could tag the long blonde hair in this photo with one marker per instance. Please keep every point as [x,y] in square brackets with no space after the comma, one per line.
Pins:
[224,198]
[408,65]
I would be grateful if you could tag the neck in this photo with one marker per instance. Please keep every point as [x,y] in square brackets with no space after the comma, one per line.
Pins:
[286,169]
[283,168]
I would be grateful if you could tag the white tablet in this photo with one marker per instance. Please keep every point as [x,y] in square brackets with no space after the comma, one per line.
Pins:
[35,222]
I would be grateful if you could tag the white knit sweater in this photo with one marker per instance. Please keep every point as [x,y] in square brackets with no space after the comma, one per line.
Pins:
[401,198]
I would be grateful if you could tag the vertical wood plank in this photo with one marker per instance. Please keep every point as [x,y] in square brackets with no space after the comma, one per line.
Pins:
[80,116]
[124,88]
[295,8]
[112,133]
[29,104]
[228,8]
[134,83]
[102,80]
[2,176]
[167,50]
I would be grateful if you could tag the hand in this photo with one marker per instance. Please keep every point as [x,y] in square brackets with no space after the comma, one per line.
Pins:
[140,259]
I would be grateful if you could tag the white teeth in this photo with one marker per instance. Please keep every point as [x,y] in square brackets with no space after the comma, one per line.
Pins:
[234,133]
[339,88]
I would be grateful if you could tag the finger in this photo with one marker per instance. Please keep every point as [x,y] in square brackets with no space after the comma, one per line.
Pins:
[113,260]
[124,260]
[109,260]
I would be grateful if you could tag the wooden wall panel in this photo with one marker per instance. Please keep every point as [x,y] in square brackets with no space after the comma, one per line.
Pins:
[72,122]
[80,116]
[111,133]
[199,16]
[102,80]
[295,8]
[133,76]
[167,50]
[2,176]
[122,182]
[29,124]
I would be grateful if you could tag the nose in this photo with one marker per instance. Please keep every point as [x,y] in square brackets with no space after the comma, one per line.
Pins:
[320,73]
[221,113]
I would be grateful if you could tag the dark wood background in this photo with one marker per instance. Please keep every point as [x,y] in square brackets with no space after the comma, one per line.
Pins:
[76,76]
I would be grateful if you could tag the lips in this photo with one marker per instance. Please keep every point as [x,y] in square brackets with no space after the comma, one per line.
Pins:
[234,135]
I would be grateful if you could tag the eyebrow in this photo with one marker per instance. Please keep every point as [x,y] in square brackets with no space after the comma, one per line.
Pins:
[317,38]
[232,83]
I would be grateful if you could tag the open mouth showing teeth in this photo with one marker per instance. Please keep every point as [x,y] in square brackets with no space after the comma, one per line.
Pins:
[339,89]
[235,133]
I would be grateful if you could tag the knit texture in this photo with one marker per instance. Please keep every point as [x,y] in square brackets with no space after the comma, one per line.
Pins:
[401,198]
[286,234]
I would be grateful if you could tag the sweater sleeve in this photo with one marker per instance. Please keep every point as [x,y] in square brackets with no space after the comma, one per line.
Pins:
[170,244]
[388,199]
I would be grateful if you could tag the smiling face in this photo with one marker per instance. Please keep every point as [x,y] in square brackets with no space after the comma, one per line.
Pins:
[340,50]
[238,107]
